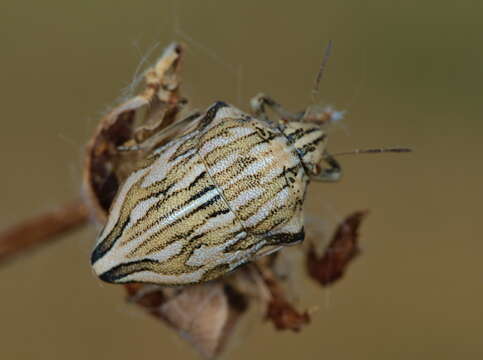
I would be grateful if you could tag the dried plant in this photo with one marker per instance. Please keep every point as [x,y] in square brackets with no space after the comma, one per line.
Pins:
[204,314]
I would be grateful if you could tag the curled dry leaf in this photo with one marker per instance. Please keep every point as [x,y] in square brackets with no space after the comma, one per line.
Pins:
[284,315]
[279,310]
[342,249]
[207,314]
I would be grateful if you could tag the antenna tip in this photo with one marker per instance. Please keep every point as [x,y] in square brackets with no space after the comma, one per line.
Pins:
[402,150]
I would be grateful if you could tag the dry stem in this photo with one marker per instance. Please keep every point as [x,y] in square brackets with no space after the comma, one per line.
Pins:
[41,229]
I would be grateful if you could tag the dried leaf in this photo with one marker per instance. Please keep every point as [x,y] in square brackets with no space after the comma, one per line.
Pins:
[285,317]
[280,311]
[342,249]
[205,315]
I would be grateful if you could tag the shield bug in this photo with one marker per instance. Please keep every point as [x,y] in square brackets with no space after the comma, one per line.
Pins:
[230,188]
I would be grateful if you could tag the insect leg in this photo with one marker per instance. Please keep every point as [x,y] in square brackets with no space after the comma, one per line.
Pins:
[165,134]
[331,173]
[261,100]
[267,251]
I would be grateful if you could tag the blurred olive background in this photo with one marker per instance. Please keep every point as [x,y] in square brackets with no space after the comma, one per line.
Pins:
[409,73]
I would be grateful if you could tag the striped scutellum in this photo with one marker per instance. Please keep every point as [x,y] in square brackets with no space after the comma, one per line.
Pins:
[229,190]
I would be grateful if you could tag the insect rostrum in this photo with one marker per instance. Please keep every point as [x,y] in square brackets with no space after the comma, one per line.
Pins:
[228,190]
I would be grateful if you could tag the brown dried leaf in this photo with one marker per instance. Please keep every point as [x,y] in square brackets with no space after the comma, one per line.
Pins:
[285,317]
[279,310]
[343,248]
[205,315]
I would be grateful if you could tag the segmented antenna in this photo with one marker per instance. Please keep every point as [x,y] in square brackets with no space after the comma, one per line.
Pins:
[374,151]
[320,74]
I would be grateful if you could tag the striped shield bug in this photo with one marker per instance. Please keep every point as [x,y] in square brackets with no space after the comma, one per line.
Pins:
[228,189]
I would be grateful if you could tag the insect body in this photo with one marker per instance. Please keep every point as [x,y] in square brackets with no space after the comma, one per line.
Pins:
[213,199]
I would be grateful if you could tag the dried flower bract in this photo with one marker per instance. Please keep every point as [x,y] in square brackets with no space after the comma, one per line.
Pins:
[206,314]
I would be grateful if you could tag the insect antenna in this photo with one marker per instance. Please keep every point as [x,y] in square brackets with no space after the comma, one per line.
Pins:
[374,151]
[320,73]
[312,113]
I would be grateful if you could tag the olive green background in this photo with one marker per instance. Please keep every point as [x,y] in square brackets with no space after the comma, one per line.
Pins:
[409,73]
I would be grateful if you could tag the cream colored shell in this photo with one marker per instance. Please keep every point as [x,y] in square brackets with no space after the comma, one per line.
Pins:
[206,203]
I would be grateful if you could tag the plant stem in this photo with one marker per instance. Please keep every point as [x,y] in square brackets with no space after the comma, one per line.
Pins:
[41,229]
